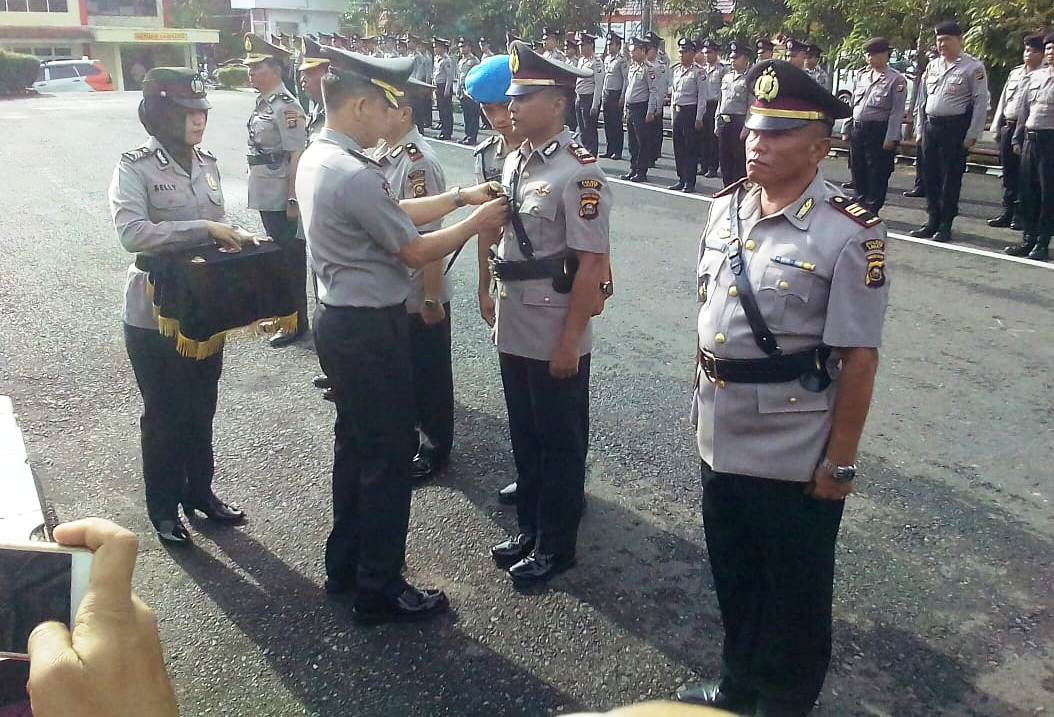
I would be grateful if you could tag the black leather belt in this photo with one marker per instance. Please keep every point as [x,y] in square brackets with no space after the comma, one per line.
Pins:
[548,268]
[273,158]
[775,369]
[947,119]
[1036,133]
[727,119]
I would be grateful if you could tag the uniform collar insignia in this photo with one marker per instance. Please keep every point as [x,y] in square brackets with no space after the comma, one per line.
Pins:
[550,149]
[800,212]
[162,158]
[804,208]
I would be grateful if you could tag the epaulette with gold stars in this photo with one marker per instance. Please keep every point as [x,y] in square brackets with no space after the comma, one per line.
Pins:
[857,212]
[365,159]
[731,188]
[581,153]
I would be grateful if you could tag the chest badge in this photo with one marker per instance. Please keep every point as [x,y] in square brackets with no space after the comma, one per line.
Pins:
[211,181]
[543,190]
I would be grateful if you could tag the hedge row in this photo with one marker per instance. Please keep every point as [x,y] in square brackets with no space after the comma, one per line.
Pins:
[234,76]
[17,72]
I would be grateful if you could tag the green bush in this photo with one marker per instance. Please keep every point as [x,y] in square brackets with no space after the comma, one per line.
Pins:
[234,76]
[17,72]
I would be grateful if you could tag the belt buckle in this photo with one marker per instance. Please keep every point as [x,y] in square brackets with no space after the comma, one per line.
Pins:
[709,366]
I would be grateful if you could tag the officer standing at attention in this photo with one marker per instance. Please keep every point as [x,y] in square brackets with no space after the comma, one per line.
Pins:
[484,49]
[362,240]
[589,92]
[764,48]
[1004,124]
[689,108]
[277,137]
[793,293]
[422,72]
[950,116]
[551,42]
[469,108]
[166,196]
[714,74]
[571,56]
[616,80]
[662,78]
[642,108]
[878,111]
[796,53]
[443,76]
[731,114]
[552,267]
[812,66]
[1034,139]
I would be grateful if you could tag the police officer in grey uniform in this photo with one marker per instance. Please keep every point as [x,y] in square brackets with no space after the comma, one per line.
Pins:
[1034,139]
[616,80]
[552,269]
[443,76]
[469,107]
[793,293]
[362,239]
[689,110]
[166,196]
[714,73]
[813,53]
[950,116]
[277,137]
[422,72]
[731,114]
[1004,124]
[662,79]
[764,49]
[414,170]
[589,92]
[878,111]
[551,41]
[642,109]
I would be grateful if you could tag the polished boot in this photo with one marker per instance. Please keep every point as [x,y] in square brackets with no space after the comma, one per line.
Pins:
[284,338]
[214,509]
[321,381]
[507,495]
[924,232]
[172,531]
[511,551]
[1028,241]
[539,567]
[1041,251]
[1003,220]
[943,235]
[412,604]
[719,695]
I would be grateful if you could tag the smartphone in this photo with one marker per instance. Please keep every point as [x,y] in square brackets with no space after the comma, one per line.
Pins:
[39,582]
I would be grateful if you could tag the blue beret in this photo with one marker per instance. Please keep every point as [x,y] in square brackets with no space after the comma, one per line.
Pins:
[488,81]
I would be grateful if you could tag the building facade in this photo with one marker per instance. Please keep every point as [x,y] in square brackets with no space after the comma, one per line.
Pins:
[292,17]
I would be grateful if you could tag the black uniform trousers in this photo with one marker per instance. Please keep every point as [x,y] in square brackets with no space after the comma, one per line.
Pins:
[175,430]
[870,163]
[445,105]
[433,376]
[771,551]
[709,158]
[587,123]
[640,137]
[613,134]
[549,427]
[1037,183]
[685,143]
[732,149]
[571,116]
[656,128]
[1011,162]
[423,113]
[944,162]
[365,352]
[470,116]
[294,254]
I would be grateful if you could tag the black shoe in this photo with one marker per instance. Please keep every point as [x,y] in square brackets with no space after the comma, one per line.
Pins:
[539,567]
[282,338]
[628,176]
[214,509]
[1041,251]
[711,174]
[639,178]
[1016,225]
[468,141]
[412,604]
[321,381]
[330,395]
[339,587]
[689,189]
[943,236]
[717,695]
[507,495]
[172,531]
[1003,220]
[923,232]
[848,185]
[676,187]
[511,551]
[914,193]
[445,137]
[425,465]
[1022,249]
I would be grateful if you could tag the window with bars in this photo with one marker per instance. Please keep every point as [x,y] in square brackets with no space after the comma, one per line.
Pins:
[125,8]
[34,5]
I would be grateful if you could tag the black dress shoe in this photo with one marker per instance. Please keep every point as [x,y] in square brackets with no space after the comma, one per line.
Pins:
[914,193]
[284,339]
[321,381]
[943,236]
[1016,225]
[214,509]
[507,495]
[539,567]
[628,176]
[425,465]
[1022,249]
[445,137]
[412,604]
[717,694]
[513,550]
[923,232]
[676,187]
[172,531]
[711,174]
[329,395]
[1003,220]
[334,586]
[689,189]
[639,178]
[848,185]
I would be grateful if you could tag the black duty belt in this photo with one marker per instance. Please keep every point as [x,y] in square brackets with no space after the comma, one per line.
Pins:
[561,269]
[1037,133]
[272,158]
[774,369]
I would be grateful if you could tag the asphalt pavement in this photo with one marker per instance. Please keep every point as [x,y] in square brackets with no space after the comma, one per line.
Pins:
[943,596]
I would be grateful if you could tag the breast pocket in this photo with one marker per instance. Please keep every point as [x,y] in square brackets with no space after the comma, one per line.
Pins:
[264,133]
[784,295]
[538,213]
[957,86]
[878,99]
[710,268]
[170,205]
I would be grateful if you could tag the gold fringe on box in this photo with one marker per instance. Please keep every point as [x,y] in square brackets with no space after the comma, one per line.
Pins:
[201,350]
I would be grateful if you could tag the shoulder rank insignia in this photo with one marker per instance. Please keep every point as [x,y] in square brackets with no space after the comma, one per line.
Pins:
[731,188]
[397,151]
[284,96]
[875,253]
[581,153]
[136,154]
[365,159]
[859,214]
[484,144]
[413,152]
[550,148]
[292,118]
[416,180]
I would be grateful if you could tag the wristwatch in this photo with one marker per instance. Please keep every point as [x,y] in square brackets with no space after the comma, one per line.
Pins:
[842,474]
[459,201]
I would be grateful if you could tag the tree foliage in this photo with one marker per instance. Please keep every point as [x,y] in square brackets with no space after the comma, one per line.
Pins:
[213,15]
[483,18]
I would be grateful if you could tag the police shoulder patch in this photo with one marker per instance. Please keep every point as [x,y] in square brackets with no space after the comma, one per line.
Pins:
[730,188]
[589,205]
[413,152]
[875,254]
[417,184]
[979,73]
[134,155]
[594,184]
[581,153]
[858,213]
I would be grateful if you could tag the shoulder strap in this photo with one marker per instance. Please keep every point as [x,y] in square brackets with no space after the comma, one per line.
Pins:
[514,204]
[857,212]
[763,337]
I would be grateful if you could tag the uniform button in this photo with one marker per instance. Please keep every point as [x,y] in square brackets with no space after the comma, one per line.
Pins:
[783,284]
[546,299]
[792,400]
[702,293]
[534,210]
[525,175]
[719,339]
[733,291]
[721,383]
[750,245]
[504,294]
